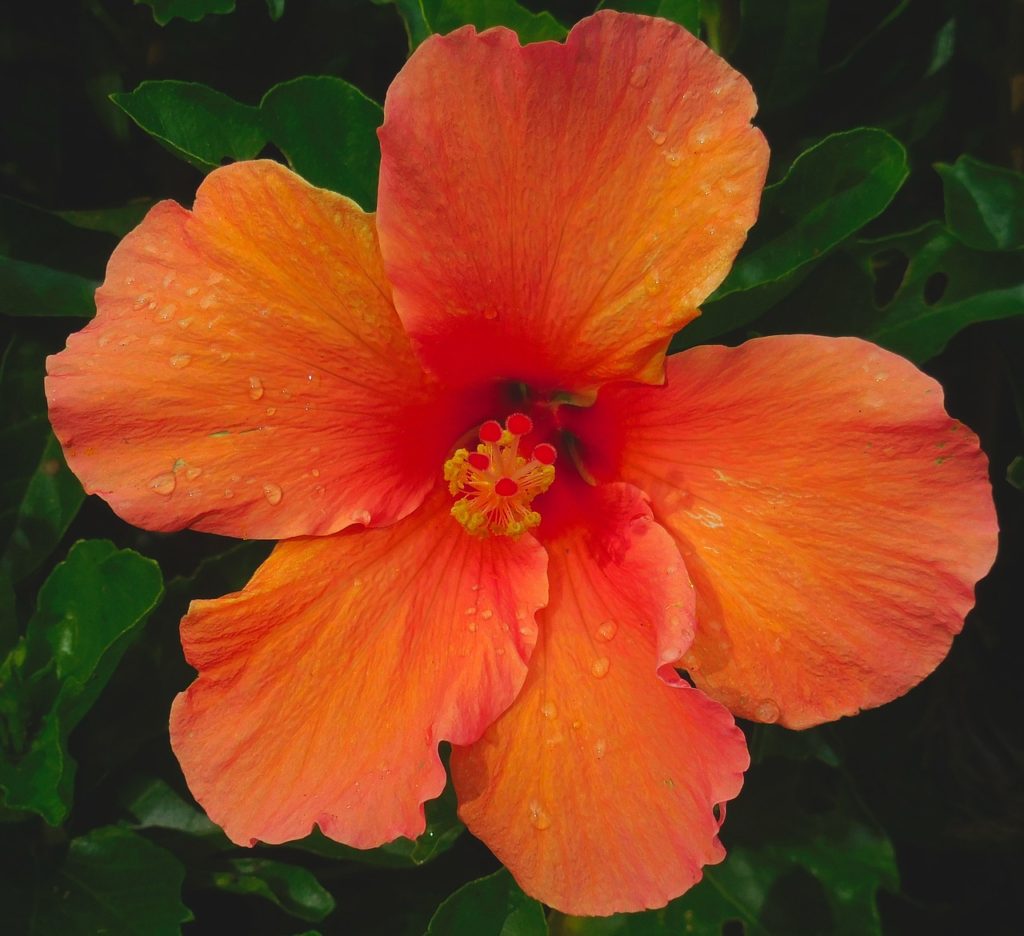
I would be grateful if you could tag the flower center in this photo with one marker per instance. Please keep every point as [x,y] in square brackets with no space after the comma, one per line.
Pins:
[495,484]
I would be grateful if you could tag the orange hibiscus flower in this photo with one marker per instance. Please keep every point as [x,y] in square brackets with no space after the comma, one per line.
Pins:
[506,518]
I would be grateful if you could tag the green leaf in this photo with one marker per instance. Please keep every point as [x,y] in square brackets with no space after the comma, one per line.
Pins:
[328,131]
[29,289]
[116,221]
[295,890]
[416,26]
[831,191]
[684,12]
[192,10]
[153,804]
[984,204]
[276,9]
[446,15]
[202,126]
[49,504]
[947,286]
[491,905]
[87,612]
[110,881]
[325,127]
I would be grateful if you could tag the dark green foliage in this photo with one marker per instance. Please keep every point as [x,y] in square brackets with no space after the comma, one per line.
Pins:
[895,212]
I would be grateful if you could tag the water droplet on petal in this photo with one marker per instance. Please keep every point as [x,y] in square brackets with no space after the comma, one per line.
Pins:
[180,360]
[539,818]
[164,483]
[767,711]
[193,473]
[471,610]
[659,136]
[638,76]
[255,388]
[606,631]
[362,516]
[487,614]
[228,493]
[490,314]
[273,494]
[672,157]
[271,410]
[549,710]
[600,667]
[600,747]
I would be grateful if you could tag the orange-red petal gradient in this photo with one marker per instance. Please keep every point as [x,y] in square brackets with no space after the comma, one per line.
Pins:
[833,517]
[246,372]
[553,213]
[598,788]
[325,686]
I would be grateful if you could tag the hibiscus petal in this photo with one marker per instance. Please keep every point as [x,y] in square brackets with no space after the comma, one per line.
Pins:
[325,686]
[554,213]
[598,788]
[833,517]
[246,373]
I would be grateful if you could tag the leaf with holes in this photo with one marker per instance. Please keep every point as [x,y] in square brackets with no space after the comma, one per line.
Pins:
[946,287]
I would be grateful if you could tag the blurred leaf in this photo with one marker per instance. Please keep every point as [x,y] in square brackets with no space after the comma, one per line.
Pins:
[446,15]
[491,905]
[52,238]
[50,503]
[87,611]
[295,890]
[808,862]
[192,10]
[984,204]
[276,9]
[110,881]
[778,49]
[202,126]
[443,828]
[116,221]
[947,286]
[416,26]
[768,741]
[328,131]
[1015,472]
[831,191]
[28,289]
[684,12]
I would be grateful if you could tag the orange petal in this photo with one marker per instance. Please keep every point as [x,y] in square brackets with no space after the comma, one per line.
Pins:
[325,686]
[246,373]
[833,517]
[597,789]
[554,213]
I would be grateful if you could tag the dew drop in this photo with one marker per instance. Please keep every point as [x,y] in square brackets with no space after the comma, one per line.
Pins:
[606,630]
[167,280]
[600,667]
[659,136]
[207,301]
[539,818]
[319,490]
[487,614]
[549,710]
[638,76]
[255,388]
[164,483]
[600,747]
[166,313]
[490,314]
[315,472]
[193,473]
[472,627]
[273,494]
[475,587]
[471,610]
[362,516]
[180,360]
[103,340]
[653,284]
[672,157]
[767,711]
[228,493]
[184,323]
[271,410]
[191,291]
